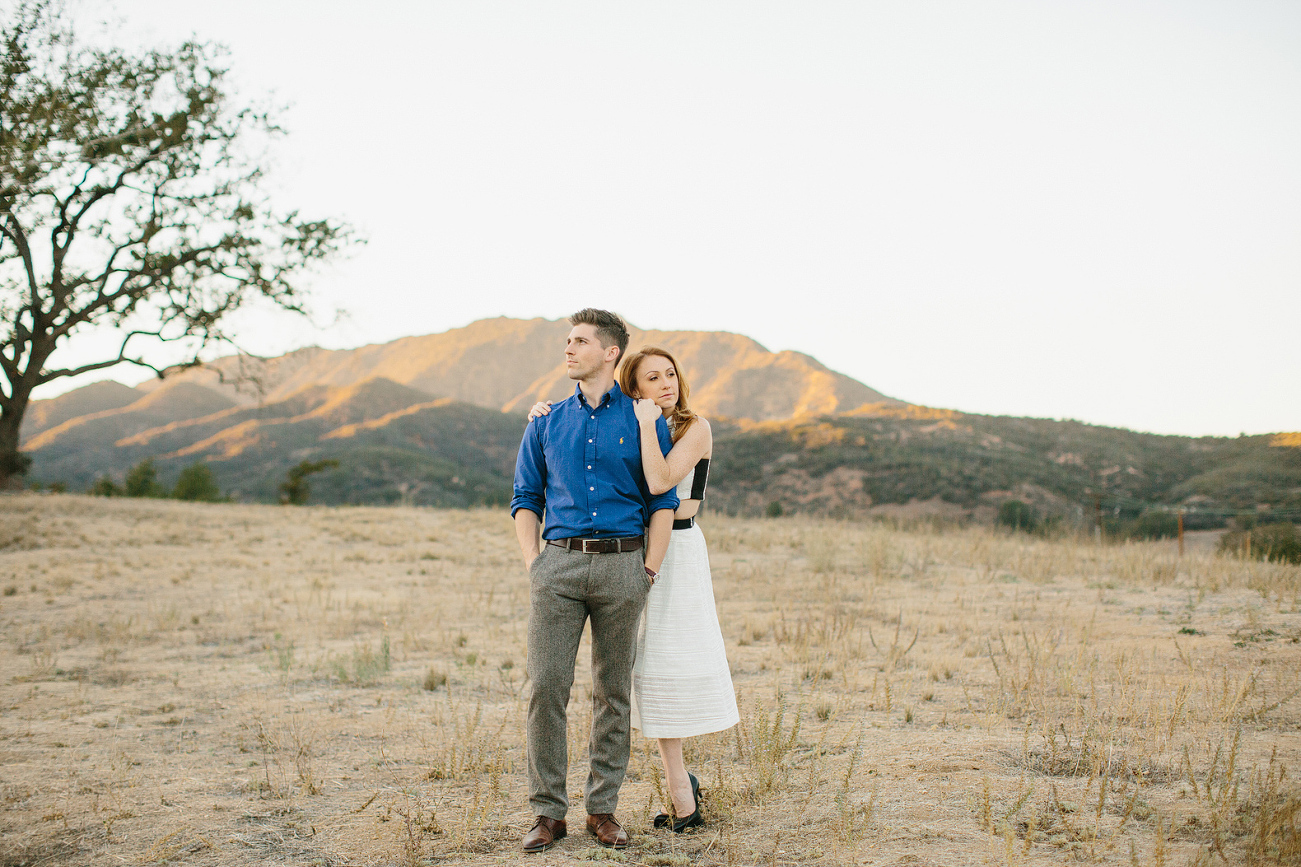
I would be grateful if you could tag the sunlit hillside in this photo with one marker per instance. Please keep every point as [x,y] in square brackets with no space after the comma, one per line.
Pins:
[435,420]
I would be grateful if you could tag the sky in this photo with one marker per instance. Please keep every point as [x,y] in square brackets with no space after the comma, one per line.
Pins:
[1086,210]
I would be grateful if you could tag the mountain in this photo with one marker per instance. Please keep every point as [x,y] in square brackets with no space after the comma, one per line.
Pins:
[97,397]
[912,461]
[77,449]
[508,364]
[392,442]
[436,420]
[433,419]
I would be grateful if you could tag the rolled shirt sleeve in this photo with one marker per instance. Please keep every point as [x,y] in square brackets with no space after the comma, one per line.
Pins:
[530,472]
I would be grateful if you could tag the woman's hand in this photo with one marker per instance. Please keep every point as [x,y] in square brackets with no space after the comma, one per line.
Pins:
[646,410]
[540,408]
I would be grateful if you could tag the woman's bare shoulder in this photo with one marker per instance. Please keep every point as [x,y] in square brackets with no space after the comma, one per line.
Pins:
[700,435]
[699,428]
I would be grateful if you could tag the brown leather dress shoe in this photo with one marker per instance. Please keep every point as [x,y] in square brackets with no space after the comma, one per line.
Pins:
[607,831]
[544,834]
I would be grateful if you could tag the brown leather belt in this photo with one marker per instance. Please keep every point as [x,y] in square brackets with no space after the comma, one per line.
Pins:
[599,546]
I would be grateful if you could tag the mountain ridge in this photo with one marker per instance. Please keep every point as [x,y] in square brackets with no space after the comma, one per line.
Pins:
[436,420]
[508,364]
[251,418]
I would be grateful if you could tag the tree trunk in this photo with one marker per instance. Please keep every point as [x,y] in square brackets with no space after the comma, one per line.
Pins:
[13,464]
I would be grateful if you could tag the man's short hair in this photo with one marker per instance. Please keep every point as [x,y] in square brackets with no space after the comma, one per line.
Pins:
[609,327]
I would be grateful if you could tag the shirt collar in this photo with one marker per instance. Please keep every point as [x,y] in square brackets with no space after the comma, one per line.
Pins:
[611,397]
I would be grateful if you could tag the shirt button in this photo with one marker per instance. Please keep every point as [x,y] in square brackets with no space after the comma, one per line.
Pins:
[593,418]
[591,489]
[589,466]
[589,441]
[594,514]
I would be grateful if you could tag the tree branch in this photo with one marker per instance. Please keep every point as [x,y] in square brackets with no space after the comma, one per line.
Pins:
[12,230]
[48,375]
[103,302]
[102,191]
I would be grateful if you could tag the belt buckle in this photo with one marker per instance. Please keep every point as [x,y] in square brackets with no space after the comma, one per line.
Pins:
[593,541]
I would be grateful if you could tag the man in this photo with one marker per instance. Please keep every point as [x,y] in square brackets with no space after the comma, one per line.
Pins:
[582,466]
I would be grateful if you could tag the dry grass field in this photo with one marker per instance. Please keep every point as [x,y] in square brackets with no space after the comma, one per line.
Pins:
[227,684]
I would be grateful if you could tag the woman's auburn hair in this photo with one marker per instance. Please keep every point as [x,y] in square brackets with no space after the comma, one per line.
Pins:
[681,417]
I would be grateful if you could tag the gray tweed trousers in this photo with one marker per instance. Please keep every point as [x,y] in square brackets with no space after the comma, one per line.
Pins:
[568,588]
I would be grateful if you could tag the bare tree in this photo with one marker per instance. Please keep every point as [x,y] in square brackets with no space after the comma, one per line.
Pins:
[130,197]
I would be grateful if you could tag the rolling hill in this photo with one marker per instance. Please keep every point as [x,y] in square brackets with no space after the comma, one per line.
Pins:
[436,420]
[508,364]
[916,461]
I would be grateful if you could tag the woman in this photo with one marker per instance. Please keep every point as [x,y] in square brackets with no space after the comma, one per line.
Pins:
[682,686]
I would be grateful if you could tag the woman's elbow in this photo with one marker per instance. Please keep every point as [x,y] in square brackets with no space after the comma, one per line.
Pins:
[656,488]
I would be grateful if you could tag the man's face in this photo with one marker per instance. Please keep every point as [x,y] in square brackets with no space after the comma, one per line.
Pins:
[584,354]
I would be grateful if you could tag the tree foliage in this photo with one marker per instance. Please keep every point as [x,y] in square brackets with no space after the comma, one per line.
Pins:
[1018,515]
[197,482]
[142,481]
[1152,524]
[130,197]
[1278,542]
[295,490]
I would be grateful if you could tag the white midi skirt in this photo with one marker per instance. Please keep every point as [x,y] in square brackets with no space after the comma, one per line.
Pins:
[681,684]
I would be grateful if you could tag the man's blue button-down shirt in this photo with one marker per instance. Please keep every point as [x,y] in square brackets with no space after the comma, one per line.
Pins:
[582,467]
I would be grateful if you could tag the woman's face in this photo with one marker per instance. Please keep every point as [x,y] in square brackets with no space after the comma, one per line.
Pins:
[658,381]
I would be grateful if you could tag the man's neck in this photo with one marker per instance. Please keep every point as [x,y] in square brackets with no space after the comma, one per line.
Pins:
[595,387]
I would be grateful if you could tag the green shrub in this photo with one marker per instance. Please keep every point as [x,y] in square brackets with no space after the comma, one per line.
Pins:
[1152,525]
[1203,521]
[105,487]
[142,481]
[366,667]
[1017,515]
[197,483]
[1275,542]
[294,490]
[774,510]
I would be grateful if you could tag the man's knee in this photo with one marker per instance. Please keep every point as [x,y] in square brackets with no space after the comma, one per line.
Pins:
[551,681]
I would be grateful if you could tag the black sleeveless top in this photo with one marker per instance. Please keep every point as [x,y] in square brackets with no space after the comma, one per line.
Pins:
[692,486]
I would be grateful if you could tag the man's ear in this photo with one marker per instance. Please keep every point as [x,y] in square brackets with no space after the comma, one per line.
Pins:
[612,352]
